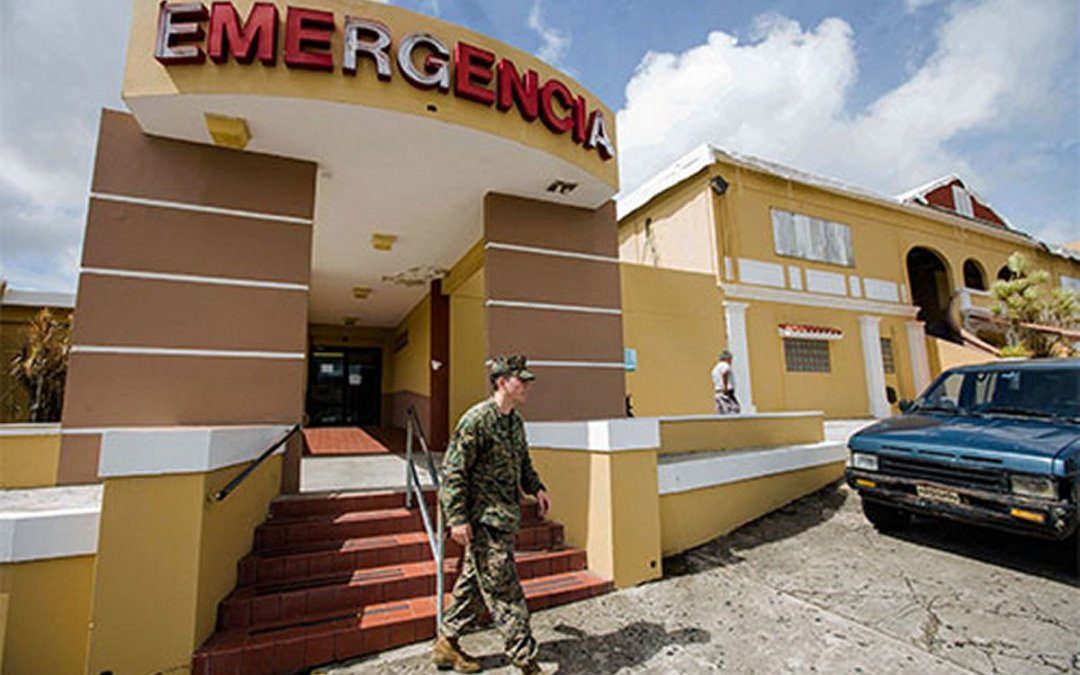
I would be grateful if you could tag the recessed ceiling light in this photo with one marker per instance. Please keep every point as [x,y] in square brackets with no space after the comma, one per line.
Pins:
[383,242]
[361,292]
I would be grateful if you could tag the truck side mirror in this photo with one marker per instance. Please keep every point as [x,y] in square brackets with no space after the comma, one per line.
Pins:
[906,405]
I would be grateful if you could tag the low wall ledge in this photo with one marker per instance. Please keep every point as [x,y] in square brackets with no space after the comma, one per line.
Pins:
[42,535]
[156,451]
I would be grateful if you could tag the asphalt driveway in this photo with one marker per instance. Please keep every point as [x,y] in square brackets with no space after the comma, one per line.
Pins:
[813,588]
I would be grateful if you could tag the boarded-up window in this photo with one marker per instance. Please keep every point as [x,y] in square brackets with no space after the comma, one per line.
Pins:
[887,355]
[801,236]
[806,356]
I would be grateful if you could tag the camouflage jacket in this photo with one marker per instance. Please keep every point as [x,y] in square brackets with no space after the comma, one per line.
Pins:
[485,467]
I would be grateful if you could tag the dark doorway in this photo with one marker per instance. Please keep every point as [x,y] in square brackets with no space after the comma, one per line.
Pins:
[344,387]
[931,292]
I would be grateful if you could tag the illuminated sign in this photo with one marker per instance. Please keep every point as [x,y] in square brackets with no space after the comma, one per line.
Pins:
[473,73]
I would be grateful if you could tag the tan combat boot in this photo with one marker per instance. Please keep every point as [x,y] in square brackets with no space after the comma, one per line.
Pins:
[530,667]
[447,654]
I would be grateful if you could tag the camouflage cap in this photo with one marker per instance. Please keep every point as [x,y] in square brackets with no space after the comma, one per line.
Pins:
[509,366]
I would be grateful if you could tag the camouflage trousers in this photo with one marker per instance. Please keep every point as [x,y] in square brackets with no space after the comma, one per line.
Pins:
[489,578]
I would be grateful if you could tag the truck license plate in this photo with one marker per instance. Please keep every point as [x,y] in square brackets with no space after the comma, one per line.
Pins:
[936,494]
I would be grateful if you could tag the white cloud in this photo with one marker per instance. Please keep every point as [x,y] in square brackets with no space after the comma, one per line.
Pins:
[554,42]
[784,96]
[59,64]
[916,5]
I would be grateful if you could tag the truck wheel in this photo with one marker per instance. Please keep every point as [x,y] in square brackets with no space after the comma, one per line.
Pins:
[885,518]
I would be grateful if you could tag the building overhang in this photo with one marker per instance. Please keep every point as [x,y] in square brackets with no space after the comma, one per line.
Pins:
[409,136]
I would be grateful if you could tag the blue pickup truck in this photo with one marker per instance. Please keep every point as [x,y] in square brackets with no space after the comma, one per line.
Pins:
[995,445]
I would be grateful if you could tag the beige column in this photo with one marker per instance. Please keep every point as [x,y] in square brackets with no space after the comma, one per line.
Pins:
[192,302]
[738,345]
[873,366]
[920,363]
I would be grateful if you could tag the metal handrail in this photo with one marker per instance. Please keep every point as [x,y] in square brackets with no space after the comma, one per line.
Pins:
[224,492]
[436,538]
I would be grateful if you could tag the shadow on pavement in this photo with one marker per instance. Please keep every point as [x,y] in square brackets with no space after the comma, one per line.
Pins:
[1047,559]
[788,521]
[607,653]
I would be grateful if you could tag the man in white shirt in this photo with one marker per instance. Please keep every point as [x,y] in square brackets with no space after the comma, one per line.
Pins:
[724,386]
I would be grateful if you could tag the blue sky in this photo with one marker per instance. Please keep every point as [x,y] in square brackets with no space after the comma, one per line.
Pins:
[883,94]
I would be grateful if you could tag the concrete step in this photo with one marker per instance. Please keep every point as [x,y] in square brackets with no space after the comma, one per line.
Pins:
[309,600]
[323,558]
[374,628]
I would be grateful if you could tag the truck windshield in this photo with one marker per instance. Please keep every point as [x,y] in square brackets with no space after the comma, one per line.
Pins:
[1043,392]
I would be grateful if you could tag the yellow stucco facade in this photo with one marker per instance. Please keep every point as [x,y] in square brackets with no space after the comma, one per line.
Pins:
[45,615]
[701,244]
[155,598]
[29,455]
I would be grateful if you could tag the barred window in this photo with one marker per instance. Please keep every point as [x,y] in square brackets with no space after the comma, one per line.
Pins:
[806,356]
[887,355]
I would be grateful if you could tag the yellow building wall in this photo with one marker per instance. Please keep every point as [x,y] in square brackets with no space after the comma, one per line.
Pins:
[689,519]
[468,340]
[411,366]
[943,355]
[167,555]
[45,626]
[678,233]
[730,433]
[29,461]
[840,392]
[675,322]
[881,236]
[608,505]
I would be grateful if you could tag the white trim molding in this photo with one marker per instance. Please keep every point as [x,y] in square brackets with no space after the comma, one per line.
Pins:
[880,289]
[820,281]
[618,365]
[200,208]
[742,292]
[157,451]
[683,473]
[615,435]
[874,366]
[172,351]
[193,279]
[43,535]
[735,326]
[920,362]
[761,273]
[518,304]
[40,429]
[558,253]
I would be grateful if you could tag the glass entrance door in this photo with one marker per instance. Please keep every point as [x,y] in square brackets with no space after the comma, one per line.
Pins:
[344,387]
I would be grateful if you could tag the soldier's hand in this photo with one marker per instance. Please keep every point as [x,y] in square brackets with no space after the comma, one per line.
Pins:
[543,502]
[462,534]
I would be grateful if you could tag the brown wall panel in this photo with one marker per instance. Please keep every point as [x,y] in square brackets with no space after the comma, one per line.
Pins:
[150,313]
[511,275]
[158,239]
[528,222]
[146,390]
[544,335]
[78,459]
[576,394]
[131,163]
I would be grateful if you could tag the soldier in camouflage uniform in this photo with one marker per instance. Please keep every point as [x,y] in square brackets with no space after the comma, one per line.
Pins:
[486,468]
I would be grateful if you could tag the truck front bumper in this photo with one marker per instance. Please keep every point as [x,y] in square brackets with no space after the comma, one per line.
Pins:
[1047,519]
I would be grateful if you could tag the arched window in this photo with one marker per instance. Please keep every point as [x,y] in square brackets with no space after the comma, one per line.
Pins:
[974,277]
